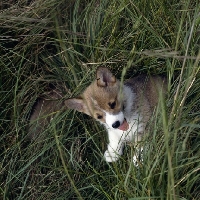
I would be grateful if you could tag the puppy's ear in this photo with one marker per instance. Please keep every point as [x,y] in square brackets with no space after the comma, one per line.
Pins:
[105,77]
[76,104]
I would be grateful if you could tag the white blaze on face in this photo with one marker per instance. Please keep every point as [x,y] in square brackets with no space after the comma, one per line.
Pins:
[112,119]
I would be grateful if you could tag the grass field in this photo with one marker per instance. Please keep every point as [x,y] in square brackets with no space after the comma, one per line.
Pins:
[62,43]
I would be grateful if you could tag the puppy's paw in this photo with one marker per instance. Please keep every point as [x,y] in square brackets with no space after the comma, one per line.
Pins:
[111,156]
[138,157]
[135,160]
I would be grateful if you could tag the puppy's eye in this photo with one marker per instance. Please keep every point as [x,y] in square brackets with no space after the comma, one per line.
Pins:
[99,116]
[112,105]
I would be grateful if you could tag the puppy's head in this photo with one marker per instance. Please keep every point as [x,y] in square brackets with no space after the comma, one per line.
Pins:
[102,100]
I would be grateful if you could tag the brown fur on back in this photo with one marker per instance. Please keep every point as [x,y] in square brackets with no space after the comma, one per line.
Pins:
[150,86]
[146,89]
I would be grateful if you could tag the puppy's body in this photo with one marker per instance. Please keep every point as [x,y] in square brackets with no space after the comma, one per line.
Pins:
[124,109]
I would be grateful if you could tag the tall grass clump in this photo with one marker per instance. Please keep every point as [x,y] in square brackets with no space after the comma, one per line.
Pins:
[61,43]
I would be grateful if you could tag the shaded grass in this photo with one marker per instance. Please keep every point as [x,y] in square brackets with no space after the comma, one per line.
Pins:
[62,43]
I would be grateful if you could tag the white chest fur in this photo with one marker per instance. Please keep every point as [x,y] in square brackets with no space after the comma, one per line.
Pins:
[117,138]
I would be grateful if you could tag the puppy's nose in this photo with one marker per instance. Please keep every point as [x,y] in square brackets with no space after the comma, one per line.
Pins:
[116,124]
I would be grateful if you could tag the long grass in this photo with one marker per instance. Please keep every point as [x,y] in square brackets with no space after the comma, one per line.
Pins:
[62,43]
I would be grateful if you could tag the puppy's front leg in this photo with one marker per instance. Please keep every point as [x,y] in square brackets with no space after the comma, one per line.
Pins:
[138,156]
[115,147]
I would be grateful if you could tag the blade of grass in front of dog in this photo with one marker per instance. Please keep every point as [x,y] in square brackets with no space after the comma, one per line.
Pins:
[170,189]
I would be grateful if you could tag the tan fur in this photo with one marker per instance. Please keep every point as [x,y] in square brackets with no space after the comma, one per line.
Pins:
[97,97]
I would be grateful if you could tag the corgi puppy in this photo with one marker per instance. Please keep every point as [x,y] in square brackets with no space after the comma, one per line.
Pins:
[123,108]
